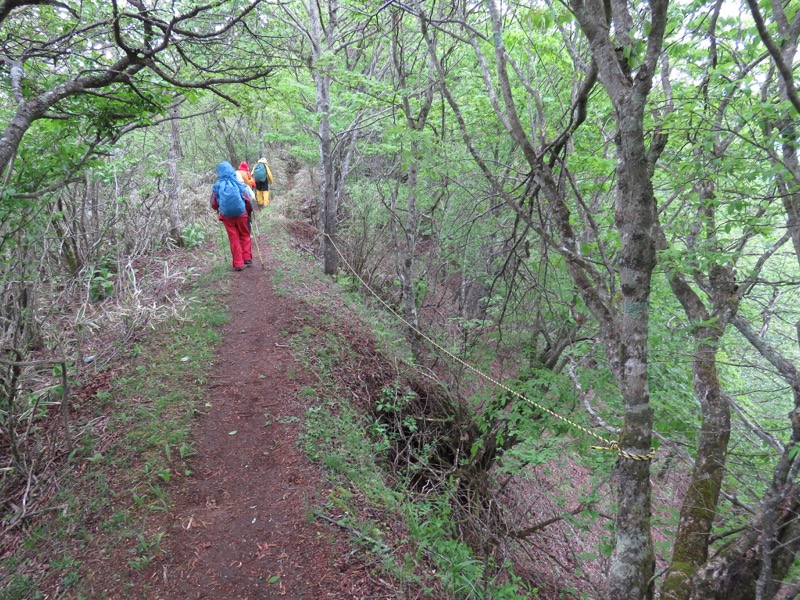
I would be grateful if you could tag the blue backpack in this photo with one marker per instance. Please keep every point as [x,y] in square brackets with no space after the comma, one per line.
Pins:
[229,198]
[260,173]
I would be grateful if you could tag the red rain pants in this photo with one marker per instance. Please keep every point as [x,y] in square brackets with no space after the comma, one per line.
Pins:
[239,238]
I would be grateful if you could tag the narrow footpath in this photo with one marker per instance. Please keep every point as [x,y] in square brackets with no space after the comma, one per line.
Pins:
[243,525]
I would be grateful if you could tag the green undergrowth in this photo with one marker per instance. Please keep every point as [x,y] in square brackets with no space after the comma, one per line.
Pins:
[135,443]
[409,537]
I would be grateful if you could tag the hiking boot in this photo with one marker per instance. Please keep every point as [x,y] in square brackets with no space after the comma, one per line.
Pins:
[238,268]
[248,263]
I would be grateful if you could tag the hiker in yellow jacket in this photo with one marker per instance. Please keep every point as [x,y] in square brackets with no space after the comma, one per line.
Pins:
[263,178]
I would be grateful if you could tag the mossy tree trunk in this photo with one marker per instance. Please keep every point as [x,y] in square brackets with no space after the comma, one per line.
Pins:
[690,550]
[632,564]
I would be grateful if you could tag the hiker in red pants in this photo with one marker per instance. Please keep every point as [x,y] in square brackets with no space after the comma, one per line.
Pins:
[230,199]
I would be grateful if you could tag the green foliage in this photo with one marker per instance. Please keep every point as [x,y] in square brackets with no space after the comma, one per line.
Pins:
[22,587]
[145,550]
[193,235]
[101,283]
[458,570]
[393,399]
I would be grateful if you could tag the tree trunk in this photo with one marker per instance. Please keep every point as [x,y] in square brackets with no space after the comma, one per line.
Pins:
[736,574]
[632,566]
[328,204]
[699,507]
[407,271]
[174,186]
[415,123]
[690,551]
[755,564]
[625,335]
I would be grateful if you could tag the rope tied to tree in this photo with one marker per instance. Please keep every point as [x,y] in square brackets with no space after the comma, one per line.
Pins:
[607,445]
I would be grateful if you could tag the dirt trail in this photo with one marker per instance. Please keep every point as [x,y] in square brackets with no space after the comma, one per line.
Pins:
[242,523]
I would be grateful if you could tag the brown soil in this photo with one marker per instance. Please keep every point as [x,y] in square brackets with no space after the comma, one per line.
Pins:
[243,525]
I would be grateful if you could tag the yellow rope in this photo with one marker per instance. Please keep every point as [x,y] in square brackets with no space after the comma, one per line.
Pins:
[610,445]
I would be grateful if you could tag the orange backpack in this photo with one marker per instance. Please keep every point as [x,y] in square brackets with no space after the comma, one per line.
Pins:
[248,179]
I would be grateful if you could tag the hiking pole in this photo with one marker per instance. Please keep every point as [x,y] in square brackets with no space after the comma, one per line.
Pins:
[222,240]
[258,248]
